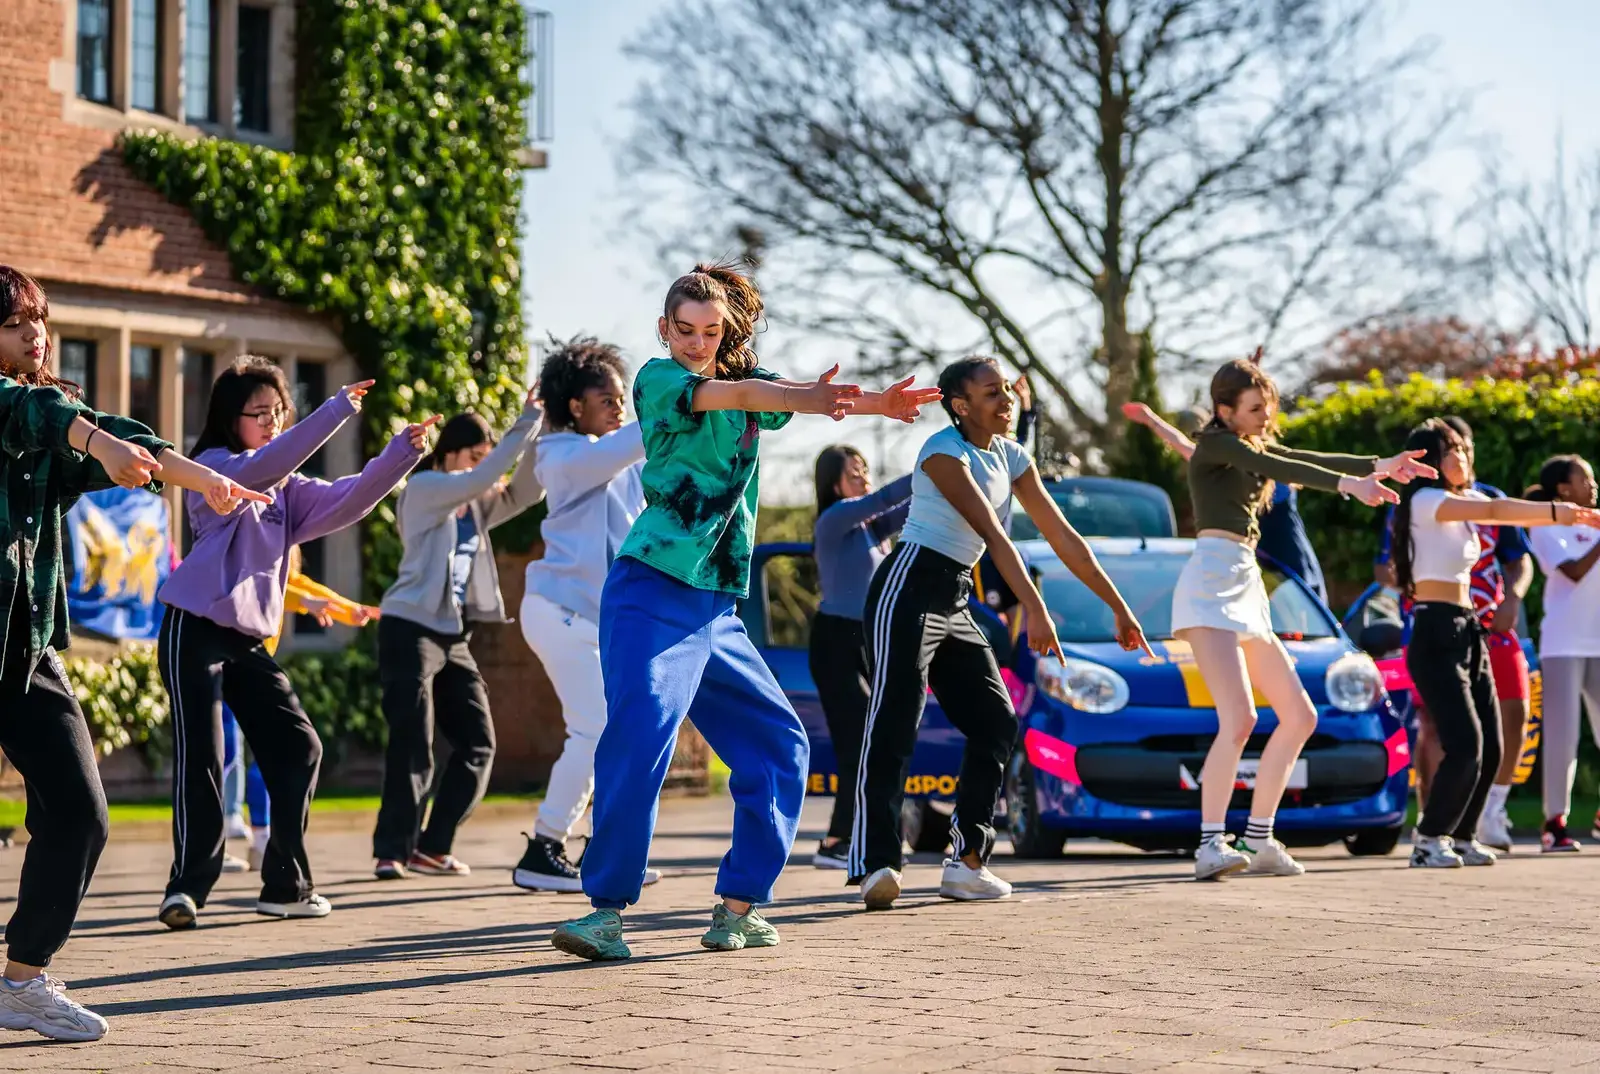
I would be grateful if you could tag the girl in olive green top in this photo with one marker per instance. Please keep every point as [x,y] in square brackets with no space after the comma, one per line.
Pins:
[1220,605]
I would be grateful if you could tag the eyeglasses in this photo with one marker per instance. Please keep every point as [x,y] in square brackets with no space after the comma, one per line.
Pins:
[268,418]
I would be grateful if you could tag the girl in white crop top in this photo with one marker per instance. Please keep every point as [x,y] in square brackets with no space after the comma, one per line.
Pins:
[1436,546]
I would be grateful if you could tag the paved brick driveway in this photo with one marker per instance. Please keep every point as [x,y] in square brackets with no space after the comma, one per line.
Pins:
[1106,962]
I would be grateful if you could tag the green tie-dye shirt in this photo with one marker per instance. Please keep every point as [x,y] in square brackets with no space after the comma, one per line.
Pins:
[700,481]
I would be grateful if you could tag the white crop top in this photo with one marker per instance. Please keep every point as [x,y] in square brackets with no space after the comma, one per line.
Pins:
[1442,551]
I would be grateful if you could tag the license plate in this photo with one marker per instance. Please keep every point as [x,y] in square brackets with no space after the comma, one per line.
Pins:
[1245,778]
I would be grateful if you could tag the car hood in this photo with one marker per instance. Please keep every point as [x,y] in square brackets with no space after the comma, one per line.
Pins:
[1170,679]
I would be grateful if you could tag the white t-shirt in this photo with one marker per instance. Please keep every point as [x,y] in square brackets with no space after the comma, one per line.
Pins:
[1442,551]
[932,522]
[1571,625]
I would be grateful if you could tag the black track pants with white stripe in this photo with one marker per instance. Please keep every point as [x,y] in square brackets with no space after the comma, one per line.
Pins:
[920,633]
[202,665]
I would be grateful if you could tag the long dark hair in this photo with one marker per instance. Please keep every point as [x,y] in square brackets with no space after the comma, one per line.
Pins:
[953,380]
[574,367]
[829,470]
[231,393]
[1434,438]
[724,283]
[465,430]
[1556,471]
[21,295]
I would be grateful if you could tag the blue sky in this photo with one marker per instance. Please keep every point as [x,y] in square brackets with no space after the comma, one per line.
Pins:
[1530,75]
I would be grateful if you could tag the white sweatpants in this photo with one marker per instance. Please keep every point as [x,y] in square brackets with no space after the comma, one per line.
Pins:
[1569,682]
[568,645]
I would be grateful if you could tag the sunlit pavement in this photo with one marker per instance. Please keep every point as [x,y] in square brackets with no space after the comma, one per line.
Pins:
[1102,962]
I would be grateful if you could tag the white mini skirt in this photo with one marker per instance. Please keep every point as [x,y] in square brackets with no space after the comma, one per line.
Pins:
[1221,587]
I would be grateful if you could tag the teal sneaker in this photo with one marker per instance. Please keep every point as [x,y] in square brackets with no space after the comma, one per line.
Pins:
[597,937]
[731,931]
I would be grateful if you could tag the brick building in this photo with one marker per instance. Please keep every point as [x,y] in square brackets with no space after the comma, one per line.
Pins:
[144,308]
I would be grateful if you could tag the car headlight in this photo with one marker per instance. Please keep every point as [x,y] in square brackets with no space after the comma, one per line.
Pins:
[1085,686]
[1354,683]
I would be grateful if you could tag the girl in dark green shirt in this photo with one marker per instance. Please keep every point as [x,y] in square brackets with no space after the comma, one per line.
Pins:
[1220,605]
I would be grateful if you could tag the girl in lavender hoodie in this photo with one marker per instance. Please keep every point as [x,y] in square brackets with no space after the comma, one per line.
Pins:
[226,600]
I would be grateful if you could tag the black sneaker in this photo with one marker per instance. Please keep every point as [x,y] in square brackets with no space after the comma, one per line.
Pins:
[834,857]
[544,867]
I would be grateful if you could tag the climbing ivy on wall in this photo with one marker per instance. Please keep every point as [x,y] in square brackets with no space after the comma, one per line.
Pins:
[397,212]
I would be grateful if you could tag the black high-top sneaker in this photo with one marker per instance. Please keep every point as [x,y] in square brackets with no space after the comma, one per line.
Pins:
[544,867]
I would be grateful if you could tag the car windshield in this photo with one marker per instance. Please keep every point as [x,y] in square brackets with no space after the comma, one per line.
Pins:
[1099,512]
[1146,581]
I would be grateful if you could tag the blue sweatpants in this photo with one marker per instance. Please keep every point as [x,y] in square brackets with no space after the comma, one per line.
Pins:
[670,650]
[242,785]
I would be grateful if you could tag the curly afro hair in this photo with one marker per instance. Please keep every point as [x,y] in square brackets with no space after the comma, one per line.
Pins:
[574,367]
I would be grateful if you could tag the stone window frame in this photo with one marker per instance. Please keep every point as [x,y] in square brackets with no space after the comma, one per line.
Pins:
[119,113]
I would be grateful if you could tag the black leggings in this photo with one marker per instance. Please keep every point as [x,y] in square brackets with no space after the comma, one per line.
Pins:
[920,633]
[839,668]
[43,732]
[1448,658]
[202,665]
[429,679]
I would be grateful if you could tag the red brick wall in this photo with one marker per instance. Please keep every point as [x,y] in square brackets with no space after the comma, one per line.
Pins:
[69,208]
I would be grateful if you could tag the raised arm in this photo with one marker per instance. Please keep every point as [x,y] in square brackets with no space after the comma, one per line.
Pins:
[1353,465]
[438,492]
[846,515]
[317,508]
[1228,450]
[1165,431]
[264,468]
[1076,554]
[506,500]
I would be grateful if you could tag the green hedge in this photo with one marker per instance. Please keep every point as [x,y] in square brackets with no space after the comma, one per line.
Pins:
[1516,425]
[126,705]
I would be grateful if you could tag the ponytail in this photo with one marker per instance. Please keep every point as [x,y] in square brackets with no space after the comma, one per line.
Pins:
[724,283]
[1556,471]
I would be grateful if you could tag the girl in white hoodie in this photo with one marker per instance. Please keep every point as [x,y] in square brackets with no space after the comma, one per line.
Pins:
[589,464]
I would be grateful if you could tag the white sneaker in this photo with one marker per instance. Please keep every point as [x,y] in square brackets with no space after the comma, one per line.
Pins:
[235,827]
[1218,857]
[1434,852]
[313,905]
[178,912]
[1272,859]
[1494,830]
[231,864]
[881,889]
[1475,853]
[962,881]
[43,1006]
[651,876]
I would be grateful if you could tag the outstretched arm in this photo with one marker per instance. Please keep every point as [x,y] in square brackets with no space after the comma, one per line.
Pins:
[1165,431]
[318,508]
[266,467]
[1076,554]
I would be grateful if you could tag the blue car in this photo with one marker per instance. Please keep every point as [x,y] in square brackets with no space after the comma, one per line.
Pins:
[1113,742]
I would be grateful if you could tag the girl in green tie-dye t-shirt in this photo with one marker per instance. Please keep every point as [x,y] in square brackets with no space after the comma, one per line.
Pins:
[670,638]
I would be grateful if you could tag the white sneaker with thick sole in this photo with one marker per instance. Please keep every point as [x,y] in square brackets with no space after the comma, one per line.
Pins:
[651,876]
[312,906]
[961,881]
[231,864]
[1218,857]
[1434,852]
[1271,858]
[178,912]
[1475,853]
[881,889]
[1494,830]
[43,1006]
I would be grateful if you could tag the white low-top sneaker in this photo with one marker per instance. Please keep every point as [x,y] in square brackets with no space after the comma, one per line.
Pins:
[881,889]
[1434,852]
[962,881]
[178,912]
[1475,853]
[1218,857]
[1494,830]
[43,1006]
[313,905]
[1272,858]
